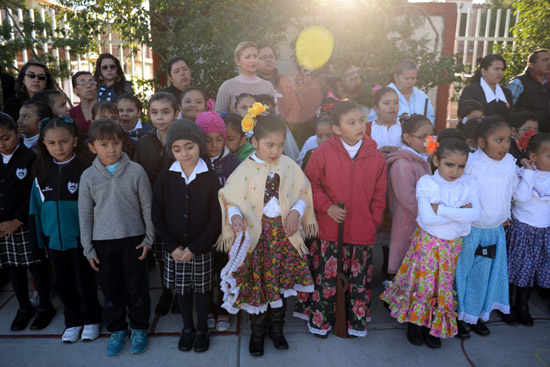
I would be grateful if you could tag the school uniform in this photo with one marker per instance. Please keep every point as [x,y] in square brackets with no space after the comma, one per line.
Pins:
[186,213]
[115,217]
[497,102]
[55,225]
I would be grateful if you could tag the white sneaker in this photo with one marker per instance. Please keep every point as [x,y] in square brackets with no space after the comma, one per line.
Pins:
[90,332]
[71,334]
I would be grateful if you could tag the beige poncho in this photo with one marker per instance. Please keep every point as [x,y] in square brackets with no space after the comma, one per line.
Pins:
[245,189]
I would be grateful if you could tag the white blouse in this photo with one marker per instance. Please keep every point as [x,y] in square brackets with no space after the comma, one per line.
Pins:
[531,204]
[386,135]
[451,221]
[496,182]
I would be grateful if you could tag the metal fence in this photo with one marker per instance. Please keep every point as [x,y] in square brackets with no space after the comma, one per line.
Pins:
[134,65]
[474,41]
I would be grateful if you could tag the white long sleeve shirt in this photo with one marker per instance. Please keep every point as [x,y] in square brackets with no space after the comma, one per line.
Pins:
[496,182]
[387,135]
[531,204]
[451,221]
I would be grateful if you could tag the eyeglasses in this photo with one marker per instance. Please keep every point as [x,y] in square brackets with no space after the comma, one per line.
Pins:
[267,58]
[84,83]
[107,67]
[31,75]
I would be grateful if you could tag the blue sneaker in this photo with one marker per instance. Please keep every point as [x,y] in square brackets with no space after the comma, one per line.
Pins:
[116,343]
[139,341]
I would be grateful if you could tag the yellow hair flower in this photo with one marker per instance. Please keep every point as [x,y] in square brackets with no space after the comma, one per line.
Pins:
[247,123]
[256,109]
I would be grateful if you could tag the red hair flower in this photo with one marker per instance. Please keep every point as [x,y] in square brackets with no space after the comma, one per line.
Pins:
[431,144]
[526,138]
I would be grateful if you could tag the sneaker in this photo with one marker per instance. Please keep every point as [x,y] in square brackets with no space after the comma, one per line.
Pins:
[223,323]
[116,343]
[90,332]
[71,334]
[211,321]
[139,341]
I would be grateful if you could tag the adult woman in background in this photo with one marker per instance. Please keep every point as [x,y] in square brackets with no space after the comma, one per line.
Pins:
[33,77]
[411,99]
[484,87]
[110,77]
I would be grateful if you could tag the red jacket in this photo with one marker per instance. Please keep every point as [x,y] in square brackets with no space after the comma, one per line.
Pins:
[360,183]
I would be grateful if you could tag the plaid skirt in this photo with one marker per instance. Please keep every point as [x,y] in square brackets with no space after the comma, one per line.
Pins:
[158,249]
[16,251]
[189,276]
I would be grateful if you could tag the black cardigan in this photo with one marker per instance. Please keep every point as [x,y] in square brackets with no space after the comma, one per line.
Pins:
[16,181]
[475,92]
[187,215]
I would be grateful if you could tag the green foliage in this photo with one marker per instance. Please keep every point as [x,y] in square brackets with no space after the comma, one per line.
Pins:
[531,32]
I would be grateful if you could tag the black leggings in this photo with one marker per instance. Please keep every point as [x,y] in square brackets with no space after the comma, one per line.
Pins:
[20,281]
[202,305]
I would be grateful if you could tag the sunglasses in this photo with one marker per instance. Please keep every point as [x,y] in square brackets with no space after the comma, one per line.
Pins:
[107,67]
[31,75]
[84,83]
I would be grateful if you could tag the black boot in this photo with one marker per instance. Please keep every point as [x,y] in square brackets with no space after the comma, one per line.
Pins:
[385,255]
[480,328]
[522,305]
[258,326]
[430,340]
[462,331]
[276,325]
[414,334]
[512,317]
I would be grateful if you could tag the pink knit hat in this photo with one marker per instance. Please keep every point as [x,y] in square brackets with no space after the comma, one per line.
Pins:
[210,122]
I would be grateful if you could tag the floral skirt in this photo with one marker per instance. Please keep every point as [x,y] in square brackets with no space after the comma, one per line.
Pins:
[319,307]
[528,255]
[253,280]
[422,291]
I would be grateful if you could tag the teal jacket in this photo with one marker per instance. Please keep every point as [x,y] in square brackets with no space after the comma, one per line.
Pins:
[54,207]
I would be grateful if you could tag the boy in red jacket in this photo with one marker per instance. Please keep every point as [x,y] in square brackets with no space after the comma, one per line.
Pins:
[346,168]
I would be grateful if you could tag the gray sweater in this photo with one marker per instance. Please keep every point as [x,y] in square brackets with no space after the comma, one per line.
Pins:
[114,207]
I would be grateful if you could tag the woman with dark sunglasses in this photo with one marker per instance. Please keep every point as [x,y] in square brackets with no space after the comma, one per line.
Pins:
[111,79]
[33,78]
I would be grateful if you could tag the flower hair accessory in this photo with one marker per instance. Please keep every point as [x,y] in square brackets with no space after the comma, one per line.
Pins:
[249,120]
[66,119]
[210,104]
[404,117]
[526,138]
[375,89]
[431,144]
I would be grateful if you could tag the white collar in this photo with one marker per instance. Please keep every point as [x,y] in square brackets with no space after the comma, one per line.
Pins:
[6,157]
[352,147]
[30,142]
[421,155]
[138,126]
[443,182]
[64,163]
[490,96]
[256,159]
[201,167]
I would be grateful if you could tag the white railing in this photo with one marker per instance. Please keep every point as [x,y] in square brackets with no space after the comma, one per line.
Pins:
[472,34]
[140,65]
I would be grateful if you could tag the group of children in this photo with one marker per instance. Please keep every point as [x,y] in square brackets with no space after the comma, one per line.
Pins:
[194,186]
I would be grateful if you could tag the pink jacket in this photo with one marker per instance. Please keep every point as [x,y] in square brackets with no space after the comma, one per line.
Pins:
[404,170]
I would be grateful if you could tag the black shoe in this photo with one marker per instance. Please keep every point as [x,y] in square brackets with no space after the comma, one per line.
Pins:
[22,319]
[462,331]
[202,341]
[175,306]
[187,338]
[321,336]
[481,329]
[430,340]
[414,334]
[43,318]
[165,301]
[522,305]
[511,318]
[276,325]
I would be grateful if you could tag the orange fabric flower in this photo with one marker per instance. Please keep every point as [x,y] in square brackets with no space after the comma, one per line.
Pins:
[431,144]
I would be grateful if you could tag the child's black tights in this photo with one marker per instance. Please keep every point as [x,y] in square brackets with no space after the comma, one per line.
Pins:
[202,306]
[20,280]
